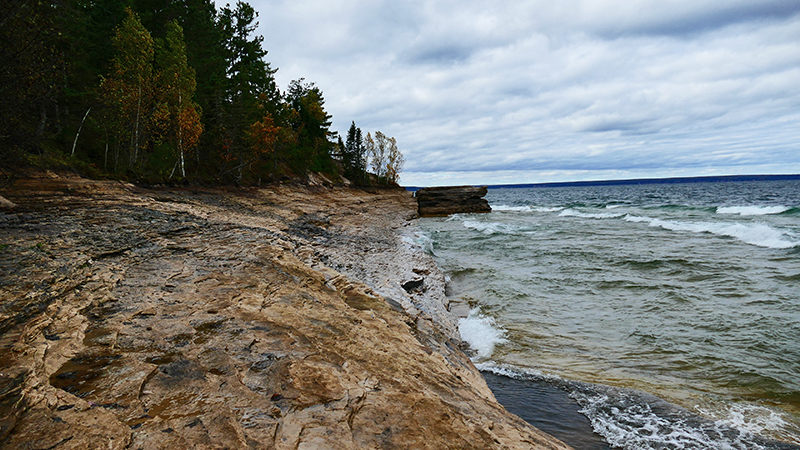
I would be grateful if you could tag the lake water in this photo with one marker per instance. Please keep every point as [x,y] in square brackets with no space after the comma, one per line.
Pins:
[667,316]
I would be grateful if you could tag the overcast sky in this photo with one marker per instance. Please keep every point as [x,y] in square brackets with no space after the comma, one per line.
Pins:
[530,91]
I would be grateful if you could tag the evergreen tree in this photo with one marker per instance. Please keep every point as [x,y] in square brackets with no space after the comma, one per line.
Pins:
[32,69]
[354,157]
[250,87]
[312,125]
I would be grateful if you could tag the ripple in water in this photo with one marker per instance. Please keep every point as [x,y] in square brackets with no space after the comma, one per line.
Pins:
[632,294]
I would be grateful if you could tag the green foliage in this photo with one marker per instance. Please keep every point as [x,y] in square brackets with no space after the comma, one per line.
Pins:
[129,92]
[151,90]
[32,68]
[354,156]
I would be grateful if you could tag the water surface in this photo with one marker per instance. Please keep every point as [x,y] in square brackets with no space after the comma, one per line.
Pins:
[687,292]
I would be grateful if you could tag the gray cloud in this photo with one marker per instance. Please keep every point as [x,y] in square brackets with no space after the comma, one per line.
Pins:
[545,91]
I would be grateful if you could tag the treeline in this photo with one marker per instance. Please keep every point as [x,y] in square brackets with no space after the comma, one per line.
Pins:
[156,91]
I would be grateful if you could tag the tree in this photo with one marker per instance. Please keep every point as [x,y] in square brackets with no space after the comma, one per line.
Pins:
[378,155]
[354,157]
[177,115]
[385,159]
[250,89]
[394,162]
[128,91]
[32,67]
[312,125]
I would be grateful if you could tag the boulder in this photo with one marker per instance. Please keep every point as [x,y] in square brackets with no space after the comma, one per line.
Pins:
[443,201]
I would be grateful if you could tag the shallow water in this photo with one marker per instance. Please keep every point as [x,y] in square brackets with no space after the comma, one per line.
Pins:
[690,292]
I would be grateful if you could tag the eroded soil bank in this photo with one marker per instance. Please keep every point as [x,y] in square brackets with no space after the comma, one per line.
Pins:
[284,317]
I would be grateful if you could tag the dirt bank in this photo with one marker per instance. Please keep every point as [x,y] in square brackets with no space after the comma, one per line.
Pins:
[284,317]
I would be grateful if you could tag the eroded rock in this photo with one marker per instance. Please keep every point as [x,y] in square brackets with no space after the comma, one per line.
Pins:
[443,201]
[273,318]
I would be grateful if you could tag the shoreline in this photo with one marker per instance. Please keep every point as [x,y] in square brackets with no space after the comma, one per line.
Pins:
[279,317]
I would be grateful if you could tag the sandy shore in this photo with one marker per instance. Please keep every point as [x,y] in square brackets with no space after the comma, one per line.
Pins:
[283,317]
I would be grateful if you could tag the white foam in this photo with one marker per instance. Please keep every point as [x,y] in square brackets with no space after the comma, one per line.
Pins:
[511,208]
[481,333]
[755,419]
[489,228]
[542,209]
[757,234]
[752,210]
[572,213]
[515,372]
[629,422]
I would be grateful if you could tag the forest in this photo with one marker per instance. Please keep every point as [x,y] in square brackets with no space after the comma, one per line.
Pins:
[175,91]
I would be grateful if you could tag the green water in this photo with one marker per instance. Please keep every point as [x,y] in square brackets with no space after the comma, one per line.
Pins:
[689,292]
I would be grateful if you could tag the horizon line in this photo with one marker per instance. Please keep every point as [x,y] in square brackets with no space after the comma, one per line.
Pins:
[633,181]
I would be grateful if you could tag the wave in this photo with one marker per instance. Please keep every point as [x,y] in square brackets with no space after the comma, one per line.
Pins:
[752,210]
[632,419]
[489,228]
[541,209]
[573,213]
[755,234]
[481,333]
[420,240]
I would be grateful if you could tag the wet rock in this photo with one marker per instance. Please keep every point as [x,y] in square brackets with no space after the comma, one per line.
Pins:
[412,285]
[443,201]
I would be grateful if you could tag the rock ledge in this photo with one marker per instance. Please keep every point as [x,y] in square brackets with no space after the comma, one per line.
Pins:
[271,318]
[443,201]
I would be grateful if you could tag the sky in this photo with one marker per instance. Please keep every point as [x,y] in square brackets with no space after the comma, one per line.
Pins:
[530,91]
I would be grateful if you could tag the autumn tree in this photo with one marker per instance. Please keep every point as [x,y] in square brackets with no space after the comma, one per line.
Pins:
[128,91]
[378,154]
[394,162]
[177,115]
[385,159]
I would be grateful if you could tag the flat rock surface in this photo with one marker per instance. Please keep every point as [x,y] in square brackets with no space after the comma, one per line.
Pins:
[284,317]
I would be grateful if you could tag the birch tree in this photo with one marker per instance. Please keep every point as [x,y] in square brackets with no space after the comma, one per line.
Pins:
[177,115]
[128,91]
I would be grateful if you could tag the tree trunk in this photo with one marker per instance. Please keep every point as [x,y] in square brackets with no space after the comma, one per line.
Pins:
[75,142]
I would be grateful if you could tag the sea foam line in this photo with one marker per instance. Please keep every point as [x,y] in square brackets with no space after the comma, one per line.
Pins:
[542,209]
[755,234]
[752,210]
[572,213]
[636,420]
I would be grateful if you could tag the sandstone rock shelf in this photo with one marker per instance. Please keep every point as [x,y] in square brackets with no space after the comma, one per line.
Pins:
[277,318]
[443,201]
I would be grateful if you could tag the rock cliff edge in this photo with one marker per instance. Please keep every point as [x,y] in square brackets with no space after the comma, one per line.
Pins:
[275,318]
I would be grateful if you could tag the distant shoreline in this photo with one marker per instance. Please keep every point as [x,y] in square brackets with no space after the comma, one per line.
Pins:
[675,180]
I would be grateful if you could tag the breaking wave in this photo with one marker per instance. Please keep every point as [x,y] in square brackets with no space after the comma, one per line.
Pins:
[540,209]
[757,234]
[572,213]
[481,333]
[489,228]
[752,210]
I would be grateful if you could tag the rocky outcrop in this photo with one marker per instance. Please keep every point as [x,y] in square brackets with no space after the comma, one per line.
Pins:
[151,319]
[443,201]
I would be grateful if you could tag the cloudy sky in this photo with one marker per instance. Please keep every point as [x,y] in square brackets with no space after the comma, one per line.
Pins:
[530,91]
